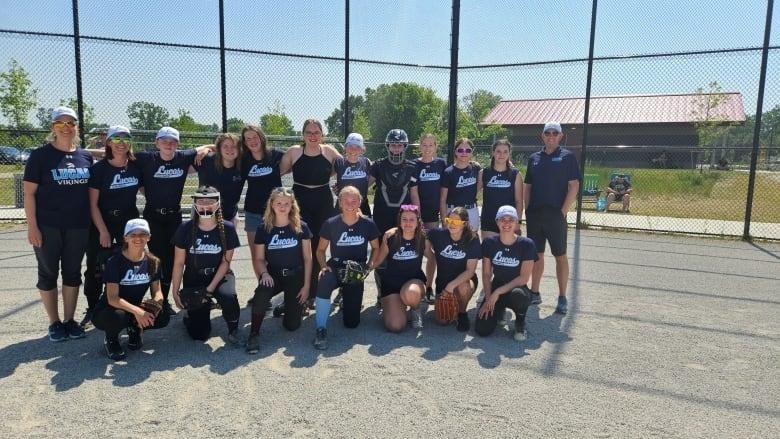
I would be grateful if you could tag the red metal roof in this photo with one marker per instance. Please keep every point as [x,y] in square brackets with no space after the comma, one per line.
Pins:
[672,108]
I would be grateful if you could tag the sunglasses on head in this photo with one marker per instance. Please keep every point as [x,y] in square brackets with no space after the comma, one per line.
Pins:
[409,208]
[463,150]
[283,190]
[62,123]
[454,221]
[551,133]
[118,140]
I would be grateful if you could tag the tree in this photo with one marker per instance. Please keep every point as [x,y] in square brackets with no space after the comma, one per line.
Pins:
[709,120]
[478,104]
[17,97]
[335,122]
[185,122]
[146,116]
[44,114]
[403,105]
[235,125]
[276,122]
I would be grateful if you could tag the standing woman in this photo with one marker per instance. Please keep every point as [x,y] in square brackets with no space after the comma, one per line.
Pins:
[260,169]
[430,168]
[507,263]
[283,252]
[113,186]
[204,250]
[129,274]
[56,204]
[502,184]
[223,171]
[403,282]
[460,183]
[455,251]
[354,170]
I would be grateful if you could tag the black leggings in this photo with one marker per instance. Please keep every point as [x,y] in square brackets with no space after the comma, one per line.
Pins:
[198,322]
[291,285]
[351,295]
[518,300]
[163,227]
[316,207]
[62,251]
[114,320]
[98,255]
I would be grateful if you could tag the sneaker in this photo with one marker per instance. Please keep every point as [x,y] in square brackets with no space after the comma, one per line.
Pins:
[321,339]
[74,330]
[278,310]
[234,338]
[114,349]
[134,338]
[521,334]
[57,332]
[463,322]
[253,345]
[536,298]
[504,318]
[429,296]
[167,308]
[87,320]
[416,318]
[563,305]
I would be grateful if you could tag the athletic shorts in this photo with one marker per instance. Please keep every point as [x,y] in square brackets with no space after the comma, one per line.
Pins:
[547,224]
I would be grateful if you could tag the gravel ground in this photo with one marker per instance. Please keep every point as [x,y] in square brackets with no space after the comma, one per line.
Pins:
[666,337]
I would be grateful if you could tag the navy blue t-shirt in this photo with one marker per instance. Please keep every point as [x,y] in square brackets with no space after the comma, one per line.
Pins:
[206,251]
[498,189]
[451,256]
[549,176]
[349,242]
[62,199]
[164,180]
[353,174]
[283,247]
[405,258]
[429,183]
[261,176]
[134,278]
[461,184]
[229,182]
[118,186]
[507,259]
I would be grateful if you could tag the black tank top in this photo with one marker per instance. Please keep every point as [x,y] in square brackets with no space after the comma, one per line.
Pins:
[312,170]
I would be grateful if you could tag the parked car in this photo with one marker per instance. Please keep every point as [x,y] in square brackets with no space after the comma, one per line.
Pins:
[11,155]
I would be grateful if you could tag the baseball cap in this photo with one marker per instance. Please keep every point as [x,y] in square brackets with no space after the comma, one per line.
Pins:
[354,139]
[63,111]
[113,130]
[167,133]
[506,210]
[135,225]
[552,126]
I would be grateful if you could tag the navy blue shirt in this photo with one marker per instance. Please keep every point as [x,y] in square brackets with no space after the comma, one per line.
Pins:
[451,256]
[118,187]
[507,259]
[134,278]
[498,189]
[349,242]
[261,176]
[62,198]
[549,176]
[353,174]
[429,183]
[164,180]
[206,251]
[405,257]
[283,247]
[229,182]
[461,184]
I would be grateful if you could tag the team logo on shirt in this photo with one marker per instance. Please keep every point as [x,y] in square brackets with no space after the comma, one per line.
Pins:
[402,254]
[259,171]
[120,182]
[353,174]
[162,172]
[70,175]
[498,182]
[505,261]
[466,181]
[345,240]
[429,176]
[202,248]
[133,278]
[451,252]
[278,243]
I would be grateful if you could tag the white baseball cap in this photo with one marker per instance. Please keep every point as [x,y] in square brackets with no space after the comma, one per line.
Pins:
[63,111]
[113,130]
[167,133]
[137,224]
[354,139]
[552,126]
[506,210]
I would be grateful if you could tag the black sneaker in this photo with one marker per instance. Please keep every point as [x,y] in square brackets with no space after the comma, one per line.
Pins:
[429,296]
[134,338]
[167,308]
[253,345]
[463,322]
[278,310]
[74,330]
[86,322]
[536,298]
[57,332]
[321,339]
[114,349]
[563,305]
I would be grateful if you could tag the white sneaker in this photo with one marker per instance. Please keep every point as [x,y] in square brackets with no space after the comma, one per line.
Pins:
[521,334]
[504,320]
[416,318]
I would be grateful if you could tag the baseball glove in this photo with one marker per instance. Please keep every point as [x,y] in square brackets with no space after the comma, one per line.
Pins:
[446,307]
[151,306]
[351,272]
[195,298]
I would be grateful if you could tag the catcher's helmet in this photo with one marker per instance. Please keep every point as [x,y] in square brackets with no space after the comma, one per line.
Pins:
[208,193]
[396,136]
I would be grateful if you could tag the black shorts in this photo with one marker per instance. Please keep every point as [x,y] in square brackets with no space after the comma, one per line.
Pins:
[392,284]
[547,224]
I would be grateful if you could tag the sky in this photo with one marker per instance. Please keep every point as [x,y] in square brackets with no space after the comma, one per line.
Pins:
[405,31]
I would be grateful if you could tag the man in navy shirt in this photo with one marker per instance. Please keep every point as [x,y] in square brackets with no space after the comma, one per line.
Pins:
[552,180]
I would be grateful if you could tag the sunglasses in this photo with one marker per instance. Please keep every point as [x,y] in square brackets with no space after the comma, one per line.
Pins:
[454,221]
[118,140]
[551,133]
[409,208]
[283,190]
[463,150]
[62,124]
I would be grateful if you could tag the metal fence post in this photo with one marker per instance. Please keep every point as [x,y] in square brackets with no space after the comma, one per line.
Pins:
[587,108]
[452,117]
[77,54]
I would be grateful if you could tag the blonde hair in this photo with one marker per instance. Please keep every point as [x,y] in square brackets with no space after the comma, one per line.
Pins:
[351,190]
[295,211]
[52,136]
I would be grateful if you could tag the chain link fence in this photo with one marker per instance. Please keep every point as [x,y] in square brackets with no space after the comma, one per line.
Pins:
[136,66]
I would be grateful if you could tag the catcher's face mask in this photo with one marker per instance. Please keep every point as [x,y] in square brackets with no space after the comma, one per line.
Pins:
[206,206]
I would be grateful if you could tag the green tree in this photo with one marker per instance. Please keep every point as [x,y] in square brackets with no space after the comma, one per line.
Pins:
[235,125]
[709,119]
[147,116]
[185,122]
[44,114]
[478,104]
[276,122]
[403,105]
[17,97]
[335,122]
